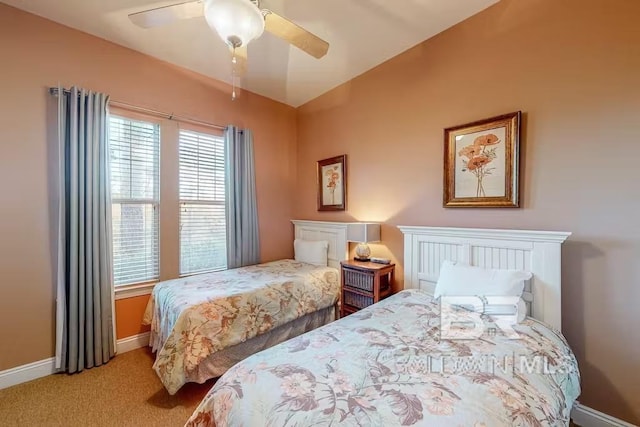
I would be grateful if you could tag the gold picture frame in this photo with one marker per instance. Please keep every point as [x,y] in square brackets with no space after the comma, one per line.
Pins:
[481,163]
[332,184]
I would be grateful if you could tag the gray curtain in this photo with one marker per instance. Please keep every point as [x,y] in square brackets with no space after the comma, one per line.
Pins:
[84,318]
[243,244]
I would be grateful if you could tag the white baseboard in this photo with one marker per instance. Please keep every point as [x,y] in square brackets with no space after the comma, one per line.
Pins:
[42,368]
[28,372]
[133,342]
[588,417]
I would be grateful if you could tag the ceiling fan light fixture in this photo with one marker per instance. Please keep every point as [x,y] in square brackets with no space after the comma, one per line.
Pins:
[237,22]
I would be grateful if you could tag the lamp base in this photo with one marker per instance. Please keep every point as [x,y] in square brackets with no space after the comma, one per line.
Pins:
[361,259]
[363,253]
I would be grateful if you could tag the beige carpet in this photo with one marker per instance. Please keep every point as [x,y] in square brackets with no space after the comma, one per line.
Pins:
[124,392]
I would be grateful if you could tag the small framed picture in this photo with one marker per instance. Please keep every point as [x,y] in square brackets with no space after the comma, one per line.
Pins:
[481,163]
[332,184]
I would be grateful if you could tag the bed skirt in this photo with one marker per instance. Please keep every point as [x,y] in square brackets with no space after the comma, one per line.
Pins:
[219,362]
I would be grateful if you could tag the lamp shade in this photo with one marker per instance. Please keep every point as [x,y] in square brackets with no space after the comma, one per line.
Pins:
[236,21]
[363,232]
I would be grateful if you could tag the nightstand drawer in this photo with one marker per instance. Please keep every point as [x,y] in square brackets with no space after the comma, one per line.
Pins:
[356,300]
[358,279]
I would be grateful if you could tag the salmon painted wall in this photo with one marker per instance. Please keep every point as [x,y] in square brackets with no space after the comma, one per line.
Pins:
[129,313]
[573,68]
[37,53]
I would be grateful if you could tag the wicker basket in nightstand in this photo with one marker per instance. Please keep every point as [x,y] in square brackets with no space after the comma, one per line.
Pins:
[364,283]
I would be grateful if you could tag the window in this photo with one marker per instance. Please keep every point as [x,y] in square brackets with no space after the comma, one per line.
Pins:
[135,162]
[203,231]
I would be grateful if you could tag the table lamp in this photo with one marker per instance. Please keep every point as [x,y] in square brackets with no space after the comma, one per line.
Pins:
[363,233]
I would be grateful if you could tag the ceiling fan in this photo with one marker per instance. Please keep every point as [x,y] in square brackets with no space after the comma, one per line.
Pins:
[237,22]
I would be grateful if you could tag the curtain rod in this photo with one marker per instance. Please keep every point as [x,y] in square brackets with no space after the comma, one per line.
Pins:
[134,108]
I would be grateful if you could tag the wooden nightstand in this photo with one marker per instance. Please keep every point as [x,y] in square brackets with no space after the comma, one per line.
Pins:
[363,284]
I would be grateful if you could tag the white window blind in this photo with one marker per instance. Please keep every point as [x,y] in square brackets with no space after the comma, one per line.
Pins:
[135,163]
[203,231]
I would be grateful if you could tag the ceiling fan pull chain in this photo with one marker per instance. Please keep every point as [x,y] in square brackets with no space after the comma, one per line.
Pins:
[234,61]
[233,86]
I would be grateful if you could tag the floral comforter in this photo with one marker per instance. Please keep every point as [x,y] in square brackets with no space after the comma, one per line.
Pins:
[193,317]
[387,366]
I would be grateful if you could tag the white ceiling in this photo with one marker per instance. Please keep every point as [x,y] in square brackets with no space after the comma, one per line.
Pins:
[362,34]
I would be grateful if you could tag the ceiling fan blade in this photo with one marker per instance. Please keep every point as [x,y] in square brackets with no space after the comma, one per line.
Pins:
[240,67]
[294,34]
[167,14]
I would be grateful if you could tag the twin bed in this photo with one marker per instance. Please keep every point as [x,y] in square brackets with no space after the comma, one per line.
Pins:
[204,324]
[388,364]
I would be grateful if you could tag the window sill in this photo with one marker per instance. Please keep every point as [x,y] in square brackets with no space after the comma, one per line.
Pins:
[130,291]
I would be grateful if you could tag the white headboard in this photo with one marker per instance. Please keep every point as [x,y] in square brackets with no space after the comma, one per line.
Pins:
[536,251]
[333,232]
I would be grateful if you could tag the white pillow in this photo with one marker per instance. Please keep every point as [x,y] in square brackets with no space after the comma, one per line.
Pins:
[466,280]
[311,251]
[462,280]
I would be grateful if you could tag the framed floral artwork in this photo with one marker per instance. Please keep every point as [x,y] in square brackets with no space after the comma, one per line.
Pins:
[332,184]
[481,163]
